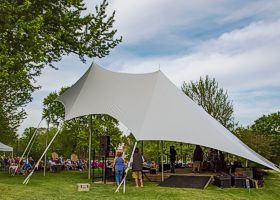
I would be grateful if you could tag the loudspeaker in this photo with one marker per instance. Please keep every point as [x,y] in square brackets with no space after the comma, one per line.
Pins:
[165,167]
[104,146]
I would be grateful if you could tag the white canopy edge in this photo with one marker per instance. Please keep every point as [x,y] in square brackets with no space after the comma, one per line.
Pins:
[4,147]
[153,108]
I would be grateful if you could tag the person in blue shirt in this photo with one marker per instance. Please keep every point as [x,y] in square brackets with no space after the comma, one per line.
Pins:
[27,167]
[118,167]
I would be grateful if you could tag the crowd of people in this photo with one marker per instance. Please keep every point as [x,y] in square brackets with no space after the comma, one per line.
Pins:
[16,165]
[212,161]
[57,164]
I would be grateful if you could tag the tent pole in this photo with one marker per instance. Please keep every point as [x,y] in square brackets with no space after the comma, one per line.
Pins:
[162,177]
[128,167]
[38,162]
[27,155]
[142,147]
[89,146]
[46,144]
[17,146]
[181,152]
[124,186]
[28,145]
[158,152]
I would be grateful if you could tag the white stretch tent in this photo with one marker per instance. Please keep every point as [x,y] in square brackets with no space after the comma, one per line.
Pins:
[5,148]
[153,108]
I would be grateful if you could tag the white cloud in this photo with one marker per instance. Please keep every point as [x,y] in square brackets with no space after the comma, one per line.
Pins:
[248,107]
[257,9]
[33,119]
[247,57]
[244,59]
[143,20]
[70,70]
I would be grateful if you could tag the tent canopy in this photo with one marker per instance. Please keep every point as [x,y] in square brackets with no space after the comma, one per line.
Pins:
[4,147]
[153,108]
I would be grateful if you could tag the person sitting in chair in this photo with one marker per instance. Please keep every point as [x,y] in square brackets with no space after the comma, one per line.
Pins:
[27,167]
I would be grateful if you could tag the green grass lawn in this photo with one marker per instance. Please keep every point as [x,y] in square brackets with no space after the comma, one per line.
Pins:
[63,186]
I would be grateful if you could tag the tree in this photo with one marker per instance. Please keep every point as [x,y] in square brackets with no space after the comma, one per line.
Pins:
[260,143]
[269,127]
[74,135]
[37,33]
[268,124]
[14,93]
[53,111]
[7,135]
[213,99]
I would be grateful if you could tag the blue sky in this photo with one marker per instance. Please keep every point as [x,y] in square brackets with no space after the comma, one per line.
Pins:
[235,41]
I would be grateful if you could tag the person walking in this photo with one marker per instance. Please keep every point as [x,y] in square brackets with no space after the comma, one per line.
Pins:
[197,158]
[137,165]
[118,166]
[173,154]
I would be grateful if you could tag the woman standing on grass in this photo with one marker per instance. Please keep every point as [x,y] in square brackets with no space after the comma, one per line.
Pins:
[137,166]
[118,167]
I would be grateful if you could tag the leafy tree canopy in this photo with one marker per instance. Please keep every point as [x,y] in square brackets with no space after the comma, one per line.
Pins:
[75,132]
[266,145]
[37,33]
[53,111]
[214,100]
[268,124]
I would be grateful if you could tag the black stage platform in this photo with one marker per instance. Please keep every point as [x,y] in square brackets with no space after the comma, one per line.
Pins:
[199,182]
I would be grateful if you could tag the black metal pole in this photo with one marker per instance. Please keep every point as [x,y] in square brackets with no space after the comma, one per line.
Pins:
[142,147]
[89,146]
[181,153]
[93,159]
[103,170]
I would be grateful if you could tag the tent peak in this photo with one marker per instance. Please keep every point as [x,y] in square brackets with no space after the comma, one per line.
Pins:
[94,65]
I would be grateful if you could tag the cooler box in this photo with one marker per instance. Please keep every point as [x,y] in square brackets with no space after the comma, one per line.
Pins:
[83,187]
[239,181]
